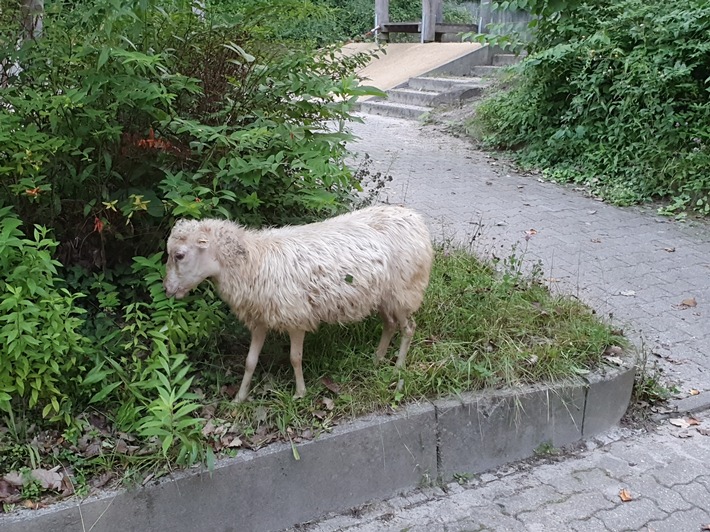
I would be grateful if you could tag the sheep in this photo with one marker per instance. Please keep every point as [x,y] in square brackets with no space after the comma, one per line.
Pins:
[341,270]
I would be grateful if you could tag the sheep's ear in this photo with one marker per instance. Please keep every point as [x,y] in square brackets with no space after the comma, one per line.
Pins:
[203,238]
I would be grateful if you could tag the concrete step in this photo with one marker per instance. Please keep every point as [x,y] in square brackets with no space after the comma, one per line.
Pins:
[505,59]
[486,71]
[397,110]
[427,83]
[412,96]
[459,94]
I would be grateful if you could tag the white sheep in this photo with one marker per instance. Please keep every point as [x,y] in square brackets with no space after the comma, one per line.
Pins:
[294,278]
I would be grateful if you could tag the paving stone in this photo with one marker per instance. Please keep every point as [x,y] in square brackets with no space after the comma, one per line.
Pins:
[588,525]
[580,506]
[667,499]
[669,477]
[488,519]
[689,520]
[529,499]
[630,515]
[677,472]
[696,493]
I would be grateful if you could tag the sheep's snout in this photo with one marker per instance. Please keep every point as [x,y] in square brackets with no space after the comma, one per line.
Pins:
[172,288]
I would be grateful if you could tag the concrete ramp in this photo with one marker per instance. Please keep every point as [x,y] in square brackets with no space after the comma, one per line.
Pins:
[402,61]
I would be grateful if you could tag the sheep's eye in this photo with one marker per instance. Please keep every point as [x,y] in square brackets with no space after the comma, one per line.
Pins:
[179,256]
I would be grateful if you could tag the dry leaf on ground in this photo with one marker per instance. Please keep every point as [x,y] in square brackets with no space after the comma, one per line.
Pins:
[49,479]
[688,303]
[236,442]
[101,480]
[9,494]
[684,423]
[14,478]
[331,384]
[328,403]
[261,414]
[625,496]
[209,428]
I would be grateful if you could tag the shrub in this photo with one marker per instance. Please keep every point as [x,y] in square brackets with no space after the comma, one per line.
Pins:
[44,353]
[615,96]
[124,115]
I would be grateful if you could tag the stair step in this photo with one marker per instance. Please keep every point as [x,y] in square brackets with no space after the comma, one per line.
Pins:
[505,59]
[486,70]
[411,96]
[440,84]
[398,110]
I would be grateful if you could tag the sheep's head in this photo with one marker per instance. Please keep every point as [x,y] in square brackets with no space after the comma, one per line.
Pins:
[191,257]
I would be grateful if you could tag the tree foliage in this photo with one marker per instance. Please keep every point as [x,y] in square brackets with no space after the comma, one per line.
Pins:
[124,115]
[615,95]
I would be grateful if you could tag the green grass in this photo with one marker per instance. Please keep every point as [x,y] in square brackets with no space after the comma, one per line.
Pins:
[478,328]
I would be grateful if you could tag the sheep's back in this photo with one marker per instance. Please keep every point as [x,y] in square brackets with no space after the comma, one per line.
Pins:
[338,271]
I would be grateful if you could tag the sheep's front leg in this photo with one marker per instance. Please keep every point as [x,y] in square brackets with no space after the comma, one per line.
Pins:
[258,335]
[408,328]
[389,328]
[296,358]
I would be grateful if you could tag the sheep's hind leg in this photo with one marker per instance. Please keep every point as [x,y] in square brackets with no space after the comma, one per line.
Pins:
[389,328]
[296,359]
[258,335]
[408,326]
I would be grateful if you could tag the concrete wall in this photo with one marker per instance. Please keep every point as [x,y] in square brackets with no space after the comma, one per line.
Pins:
[369,459]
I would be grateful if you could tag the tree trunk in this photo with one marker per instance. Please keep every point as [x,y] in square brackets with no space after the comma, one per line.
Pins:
[32,11]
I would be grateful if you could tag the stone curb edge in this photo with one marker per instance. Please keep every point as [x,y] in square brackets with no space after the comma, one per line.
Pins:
[372,458]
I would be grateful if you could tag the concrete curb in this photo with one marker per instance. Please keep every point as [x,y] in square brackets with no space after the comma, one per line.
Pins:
[369,459]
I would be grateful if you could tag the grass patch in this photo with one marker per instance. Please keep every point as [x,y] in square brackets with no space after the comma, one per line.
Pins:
[478,328]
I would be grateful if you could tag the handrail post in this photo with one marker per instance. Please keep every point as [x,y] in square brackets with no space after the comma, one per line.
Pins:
[431,14]
[382,17]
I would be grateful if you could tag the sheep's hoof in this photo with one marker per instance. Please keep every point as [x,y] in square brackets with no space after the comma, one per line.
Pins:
[239,399]
[299,395]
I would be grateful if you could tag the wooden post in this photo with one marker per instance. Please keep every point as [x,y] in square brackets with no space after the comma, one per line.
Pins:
[485,16]
[382,17]
[428,20]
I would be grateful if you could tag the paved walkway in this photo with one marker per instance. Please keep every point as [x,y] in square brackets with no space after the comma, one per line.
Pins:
[629,263]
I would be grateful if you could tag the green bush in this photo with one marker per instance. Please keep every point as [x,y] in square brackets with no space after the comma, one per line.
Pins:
[44,353]
[123,117]
[615,96]
[126,114]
